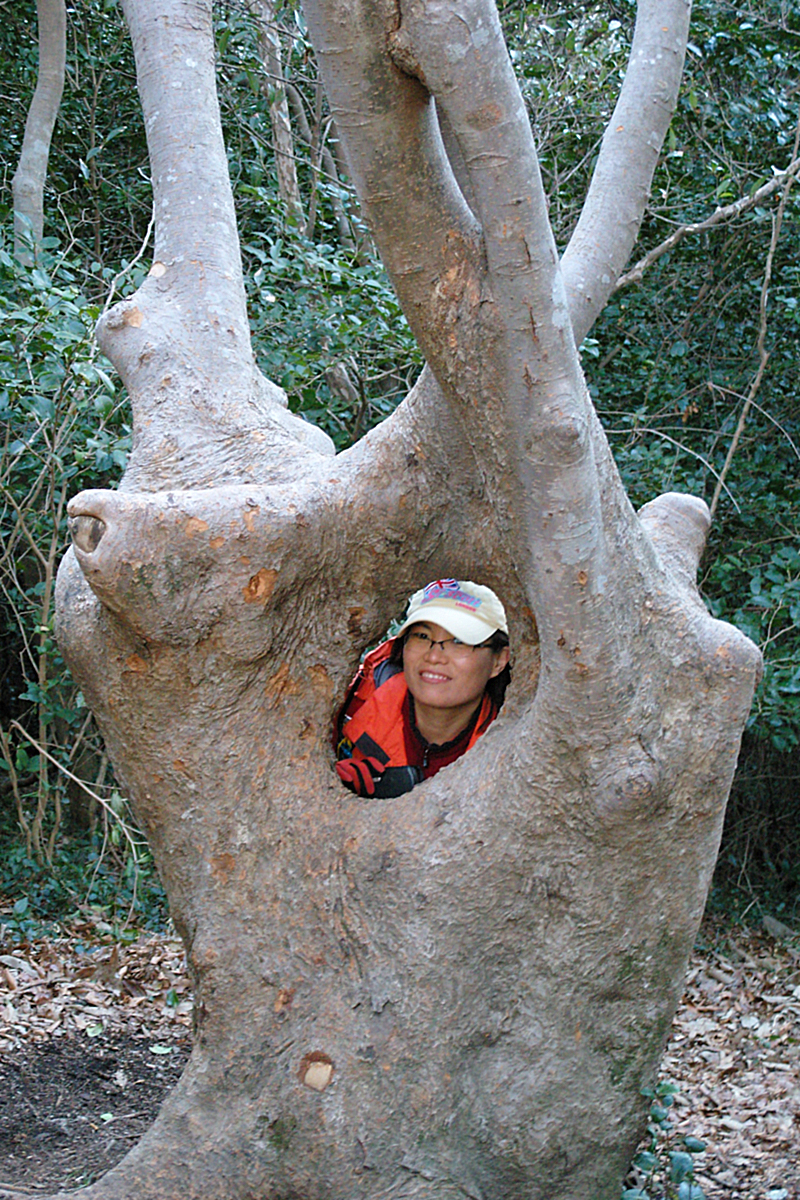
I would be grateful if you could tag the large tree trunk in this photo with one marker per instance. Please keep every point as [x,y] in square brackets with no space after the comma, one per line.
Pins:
[29,178]
[461,992]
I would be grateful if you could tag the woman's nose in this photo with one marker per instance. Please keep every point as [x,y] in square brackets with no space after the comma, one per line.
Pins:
[436,651]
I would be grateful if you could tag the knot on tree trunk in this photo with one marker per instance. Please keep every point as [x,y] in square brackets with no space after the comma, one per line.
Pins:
[678,525]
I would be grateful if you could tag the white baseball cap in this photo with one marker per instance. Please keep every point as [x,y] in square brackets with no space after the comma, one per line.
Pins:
[469,611]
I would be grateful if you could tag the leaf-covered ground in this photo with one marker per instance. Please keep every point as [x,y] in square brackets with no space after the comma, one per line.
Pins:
[92,1035]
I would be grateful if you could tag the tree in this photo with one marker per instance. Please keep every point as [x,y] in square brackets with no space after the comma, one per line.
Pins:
[463,993]
[28,182]
[275,88]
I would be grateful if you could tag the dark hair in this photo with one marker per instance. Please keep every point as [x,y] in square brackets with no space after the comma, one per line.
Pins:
[495,688]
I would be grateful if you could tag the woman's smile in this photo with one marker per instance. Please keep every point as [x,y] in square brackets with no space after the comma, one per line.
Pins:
[446,678]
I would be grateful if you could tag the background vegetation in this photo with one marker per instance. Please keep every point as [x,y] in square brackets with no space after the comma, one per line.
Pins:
[676,362]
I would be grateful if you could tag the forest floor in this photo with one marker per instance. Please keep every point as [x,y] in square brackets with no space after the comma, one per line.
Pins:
[93,1034]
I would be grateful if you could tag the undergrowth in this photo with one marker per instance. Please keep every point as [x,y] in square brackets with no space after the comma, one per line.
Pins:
[87,877]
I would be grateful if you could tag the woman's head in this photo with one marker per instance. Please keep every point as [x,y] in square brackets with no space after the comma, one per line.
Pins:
[453,645]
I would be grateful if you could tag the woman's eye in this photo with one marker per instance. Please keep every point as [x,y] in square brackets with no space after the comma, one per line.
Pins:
[458,642]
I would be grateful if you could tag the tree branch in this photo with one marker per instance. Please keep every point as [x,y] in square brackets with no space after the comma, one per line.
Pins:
[720,216]
[193,301]
[763,355]
[614,207]
[394,148]
[29,178]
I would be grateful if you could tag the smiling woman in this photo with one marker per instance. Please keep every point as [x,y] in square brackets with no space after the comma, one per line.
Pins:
[423,698]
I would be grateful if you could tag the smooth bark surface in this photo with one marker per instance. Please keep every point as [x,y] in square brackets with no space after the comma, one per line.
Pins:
[460,993]
[29,178]
[269,44]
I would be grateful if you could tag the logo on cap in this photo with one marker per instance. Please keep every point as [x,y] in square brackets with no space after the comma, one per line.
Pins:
[449,589]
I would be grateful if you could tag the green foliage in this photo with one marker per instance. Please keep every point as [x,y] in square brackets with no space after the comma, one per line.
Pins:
[671,362]
[314,307]
[98,195]
[317,303]
[570,62]
[664,1168]
[65,424]
[758,870]
[82,877]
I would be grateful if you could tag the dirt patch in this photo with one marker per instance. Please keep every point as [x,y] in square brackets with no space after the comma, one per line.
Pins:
[71,1107]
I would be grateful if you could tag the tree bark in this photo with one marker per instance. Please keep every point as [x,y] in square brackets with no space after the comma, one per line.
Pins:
[27,186]
[275,90]
[463,992]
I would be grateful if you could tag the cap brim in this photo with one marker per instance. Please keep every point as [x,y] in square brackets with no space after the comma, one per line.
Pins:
[464,626]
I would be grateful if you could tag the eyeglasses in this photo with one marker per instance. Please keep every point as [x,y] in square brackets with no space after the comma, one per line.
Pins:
[452,646]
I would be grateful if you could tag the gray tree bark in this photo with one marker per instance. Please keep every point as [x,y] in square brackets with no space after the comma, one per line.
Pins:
[269,43]
[460,993]
[27,186]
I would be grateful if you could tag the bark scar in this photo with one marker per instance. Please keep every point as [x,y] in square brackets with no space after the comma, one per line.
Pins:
[403,55]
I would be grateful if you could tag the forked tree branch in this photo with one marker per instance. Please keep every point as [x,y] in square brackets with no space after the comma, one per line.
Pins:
[386,120]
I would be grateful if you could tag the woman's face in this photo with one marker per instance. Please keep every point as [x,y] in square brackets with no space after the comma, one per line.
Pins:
[451,676]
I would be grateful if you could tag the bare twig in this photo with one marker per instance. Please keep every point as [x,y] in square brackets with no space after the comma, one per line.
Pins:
[763,354]
[719,217]
[121,274]
[104,804]
[5,746]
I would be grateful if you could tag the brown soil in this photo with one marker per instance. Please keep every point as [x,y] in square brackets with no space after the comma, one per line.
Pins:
[70,1108]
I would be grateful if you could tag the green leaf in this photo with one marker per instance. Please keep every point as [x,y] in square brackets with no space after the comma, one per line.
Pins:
[690,1191]
[681,1166]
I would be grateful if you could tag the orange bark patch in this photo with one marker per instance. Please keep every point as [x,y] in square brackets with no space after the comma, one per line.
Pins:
[486,117]
[261,586]
[283,999]
[216,542]
[321,681]
[137,664]
[281,683]
[195,525]
[132,316]
[222,867]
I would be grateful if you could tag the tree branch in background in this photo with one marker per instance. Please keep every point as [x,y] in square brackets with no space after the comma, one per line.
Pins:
[327,162]
[719,217]
[274,89]
[28,182]
[763,355]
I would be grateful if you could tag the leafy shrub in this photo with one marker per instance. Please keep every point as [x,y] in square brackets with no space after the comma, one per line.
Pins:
[65,422]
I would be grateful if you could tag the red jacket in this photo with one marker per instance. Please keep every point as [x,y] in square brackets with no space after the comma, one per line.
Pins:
[377,722]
